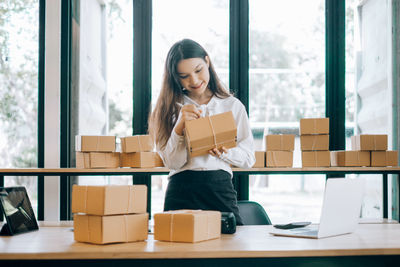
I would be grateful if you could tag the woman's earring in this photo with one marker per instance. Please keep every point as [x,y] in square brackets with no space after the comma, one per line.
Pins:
[183,88]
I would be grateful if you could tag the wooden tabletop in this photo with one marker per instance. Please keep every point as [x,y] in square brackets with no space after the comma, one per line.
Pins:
[56,242]
[159,170]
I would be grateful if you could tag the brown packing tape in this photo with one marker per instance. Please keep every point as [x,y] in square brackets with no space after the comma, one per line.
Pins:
[213,132]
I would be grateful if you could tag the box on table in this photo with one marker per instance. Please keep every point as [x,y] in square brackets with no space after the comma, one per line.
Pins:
[187,225]
[94,160]
[279,159]
[141,160]
[111,229]
[260,159]
[279,142]
[109,199]
[314,126]
[371,142]
[350,158]
[137,143]
[384,158]
[94,143]
[314,142]
[207,133]
[315,158]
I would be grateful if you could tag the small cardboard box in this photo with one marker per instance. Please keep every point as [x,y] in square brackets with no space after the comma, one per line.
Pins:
[141,160]
[314,142]
[260,159]
[371,142]
[209,132]
[187,225]
[94,143]
[314,126]
[109,199]
[137,143]
[279,142]
[97,160]
[350,158]
[384,158]
[110,229]
[315,159]
[279,159]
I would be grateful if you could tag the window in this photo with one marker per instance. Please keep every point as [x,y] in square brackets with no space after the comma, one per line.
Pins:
[286,83]
[19,24]
[105,74]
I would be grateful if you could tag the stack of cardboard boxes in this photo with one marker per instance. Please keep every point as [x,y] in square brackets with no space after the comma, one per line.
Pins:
[96,152]
[314,141]
[279,150]
[110,214]
[367,150]
[137,152]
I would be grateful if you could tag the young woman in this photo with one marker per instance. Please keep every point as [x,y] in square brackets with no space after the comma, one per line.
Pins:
[190,90]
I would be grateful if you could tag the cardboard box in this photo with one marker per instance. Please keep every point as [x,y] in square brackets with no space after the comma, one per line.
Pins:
[137,143]
[187,225]
[209,132]
[314,126]
[350,158]
[260,159]
[384,158]
[315,159]
[141,160]
[97,160]
[94,143]
[371,142]
[279,142]
[314,142]
[109,199]
[279,159]
[110,229]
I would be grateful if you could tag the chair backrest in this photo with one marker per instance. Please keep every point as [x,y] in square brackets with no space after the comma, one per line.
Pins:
[252,213]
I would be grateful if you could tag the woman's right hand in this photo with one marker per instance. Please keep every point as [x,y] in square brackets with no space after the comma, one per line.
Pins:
[187,113]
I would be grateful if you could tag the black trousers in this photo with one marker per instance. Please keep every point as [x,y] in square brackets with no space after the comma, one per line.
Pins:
[205,190]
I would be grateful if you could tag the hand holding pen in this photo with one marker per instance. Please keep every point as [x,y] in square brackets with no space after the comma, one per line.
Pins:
[187,113]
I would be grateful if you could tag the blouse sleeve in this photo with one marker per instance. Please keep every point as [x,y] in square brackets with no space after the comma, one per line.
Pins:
[242,155]
[174,154]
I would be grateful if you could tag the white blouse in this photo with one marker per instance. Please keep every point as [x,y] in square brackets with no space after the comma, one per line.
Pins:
[175,154]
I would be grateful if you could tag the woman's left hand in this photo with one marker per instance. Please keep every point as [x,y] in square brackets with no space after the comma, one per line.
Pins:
[217,152]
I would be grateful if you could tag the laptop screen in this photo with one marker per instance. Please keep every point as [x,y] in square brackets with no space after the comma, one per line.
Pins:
[16,207]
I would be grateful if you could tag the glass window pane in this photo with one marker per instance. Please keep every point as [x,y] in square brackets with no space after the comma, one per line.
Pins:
[105,74]
[206,22]
[368,82]
[19,27]
[287,83]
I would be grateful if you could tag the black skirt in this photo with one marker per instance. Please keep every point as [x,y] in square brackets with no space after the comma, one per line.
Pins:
[205,190]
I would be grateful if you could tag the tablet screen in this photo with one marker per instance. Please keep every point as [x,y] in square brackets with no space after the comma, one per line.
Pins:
[16,207]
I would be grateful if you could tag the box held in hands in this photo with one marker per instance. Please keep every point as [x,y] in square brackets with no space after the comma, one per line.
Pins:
[207,133]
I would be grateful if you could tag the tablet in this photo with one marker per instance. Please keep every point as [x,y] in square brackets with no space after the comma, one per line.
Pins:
[17,209]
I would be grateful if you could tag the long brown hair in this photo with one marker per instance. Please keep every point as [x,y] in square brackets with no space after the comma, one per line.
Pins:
[166,111]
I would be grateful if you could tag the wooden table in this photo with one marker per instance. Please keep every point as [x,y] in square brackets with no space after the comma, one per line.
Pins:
[370,245]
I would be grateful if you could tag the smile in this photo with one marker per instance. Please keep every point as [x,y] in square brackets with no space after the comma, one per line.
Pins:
[197,87]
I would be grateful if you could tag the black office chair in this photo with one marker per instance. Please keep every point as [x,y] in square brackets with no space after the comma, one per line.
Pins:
[252,213]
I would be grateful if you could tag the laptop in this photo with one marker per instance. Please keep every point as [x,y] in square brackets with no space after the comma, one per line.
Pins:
[340,211]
